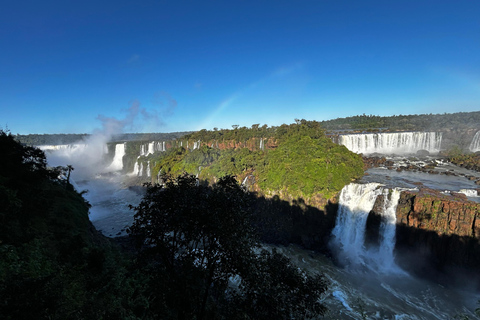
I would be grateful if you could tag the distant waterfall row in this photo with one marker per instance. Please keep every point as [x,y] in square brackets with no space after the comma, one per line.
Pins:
[139,169]
[152,147]
[355,203]
[392,143]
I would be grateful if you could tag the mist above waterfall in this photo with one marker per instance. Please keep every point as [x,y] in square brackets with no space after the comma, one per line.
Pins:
[88,156]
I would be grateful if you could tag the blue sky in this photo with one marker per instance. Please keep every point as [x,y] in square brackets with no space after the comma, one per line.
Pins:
[165,66]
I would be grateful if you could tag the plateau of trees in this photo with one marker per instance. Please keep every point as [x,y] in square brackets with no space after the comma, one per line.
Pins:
[298,158]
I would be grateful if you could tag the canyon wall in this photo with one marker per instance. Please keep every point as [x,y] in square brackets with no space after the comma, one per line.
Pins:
[436,233]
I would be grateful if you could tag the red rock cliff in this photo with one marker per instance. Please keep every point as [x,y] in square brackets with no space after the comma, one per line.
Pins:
[442,230]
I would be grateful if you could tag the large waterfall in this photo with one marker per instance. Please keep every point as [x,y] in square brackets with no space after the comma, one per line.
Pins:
[355,203]
[475,144]
[117,163]
[392,143]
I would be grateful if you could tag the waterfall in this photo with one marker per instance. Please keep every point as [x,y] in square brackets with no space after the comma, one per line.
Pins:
[117,163]
[148,170]
[475,144]
[385,257]
[261,144]
[196,145]
[355,203]
[136,169]
[389,143]
[151,147]
[140,170]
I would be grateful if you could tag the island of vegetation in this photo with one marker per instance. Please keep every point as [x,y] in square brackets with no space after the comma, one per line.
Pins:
[294,161]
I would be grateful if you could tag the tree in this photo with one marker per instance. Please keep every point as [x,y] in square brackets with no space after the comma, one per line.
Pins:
[276,289]
[199,230]
[195,238]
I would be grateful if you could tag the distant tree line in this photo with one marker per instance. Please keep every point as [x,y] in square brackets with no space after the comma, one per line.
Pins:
[420,122]
[69,138]
[50,139]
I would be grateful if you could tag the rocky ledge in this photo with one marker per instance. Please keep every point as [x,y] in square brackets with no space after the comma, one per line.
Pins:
[445,214]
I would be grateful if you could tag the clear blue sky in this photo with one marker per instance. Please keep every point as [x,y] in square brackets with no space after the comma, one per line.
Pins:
[164,66]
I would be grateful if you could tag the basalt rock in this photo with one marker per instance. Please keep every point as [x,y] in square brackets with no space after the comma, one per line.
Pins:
[443,230]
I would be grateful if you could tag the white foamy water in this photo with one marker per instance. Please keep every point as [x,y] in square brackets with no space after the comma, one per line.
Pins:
[117,163]
[392,143]
[469,192]
[475,144]
[365,294]
[355,202]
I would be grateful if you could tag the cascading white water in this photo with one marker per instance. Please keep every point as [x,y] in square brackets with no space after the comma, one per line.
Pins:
[136,169]
[151,148]
[469,192]
[148,170]
[117,163]
[384,258]
[475,144]
[196,145]
[355,203]
[390,143]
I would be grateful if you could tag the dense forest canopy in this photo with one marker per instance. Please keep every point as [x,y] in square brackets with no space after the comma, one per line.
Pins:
[420,122]
[297,158]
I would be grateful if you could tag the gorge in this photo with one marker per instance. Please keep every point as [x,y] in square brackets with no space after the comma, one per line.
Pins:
[382,221]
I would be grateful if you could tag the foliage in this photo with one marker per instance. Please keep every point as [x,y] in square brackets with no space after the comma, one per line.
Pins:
[237,134]
[305,166]
[275,274]
[51,265]
[302,159]
[420,122]
[469,161]
[197,237]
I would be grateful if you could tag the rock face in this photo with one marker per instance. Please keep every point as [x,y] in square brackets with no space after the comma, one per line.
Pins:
[445,214]
[442,230]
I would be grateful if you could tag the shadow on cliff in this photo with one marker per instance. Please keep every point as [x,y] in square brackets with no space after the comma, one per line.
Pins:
[451,260]
[281,222]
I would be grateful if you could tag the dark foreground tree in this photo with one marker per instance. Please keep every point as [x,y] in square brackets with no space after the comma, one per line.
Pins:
[196,239]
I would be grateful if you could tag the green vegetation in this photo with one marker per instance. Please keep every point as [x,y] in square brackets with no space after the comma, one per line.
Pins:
[469,161]
[193,240]
[420,122]
[298,158]
[52,265]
